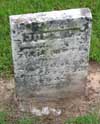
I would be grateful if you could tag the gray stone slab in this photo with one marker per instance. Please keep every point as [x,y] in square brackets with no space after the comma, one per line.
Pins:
[50,52]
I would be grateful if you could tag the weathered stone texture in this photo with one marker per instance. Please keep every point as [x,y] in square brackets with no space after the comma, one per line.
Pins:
[50,52]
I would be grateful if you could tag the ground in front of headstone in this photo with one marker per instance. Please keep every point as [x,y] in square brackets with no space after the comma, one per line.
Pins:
[56,111]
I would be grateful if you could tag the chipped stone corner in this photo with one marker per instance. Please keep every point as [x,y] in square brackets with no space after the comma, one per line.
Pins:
[86,12]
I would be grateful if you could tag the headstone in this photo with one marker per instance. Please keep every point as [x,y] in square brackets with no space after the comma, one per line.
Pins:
[50,52]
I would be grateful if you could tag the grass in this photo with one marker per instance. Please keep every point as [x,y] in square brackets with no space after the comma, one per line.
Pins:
[86,119]
[12,7]
[6,119]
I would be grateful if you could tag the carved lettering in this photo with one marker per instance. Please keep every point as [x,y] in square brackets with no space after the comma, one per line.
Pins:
[28,37]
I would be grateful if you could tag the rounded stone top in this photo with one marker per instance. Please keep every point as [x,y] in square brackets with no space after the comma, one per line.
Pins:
[52,15]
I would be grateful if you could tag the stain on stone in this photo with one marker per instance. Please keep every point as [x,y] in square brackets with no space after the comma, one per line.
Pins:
[35,27]
[88,19]
[66,44]
[32,53]
[14,31]
[30,67]
[85,11]
[85,26]
[28,26]
[86,49]
[22,76]
[41,36]
[51,22]
[22,26]
[43,51]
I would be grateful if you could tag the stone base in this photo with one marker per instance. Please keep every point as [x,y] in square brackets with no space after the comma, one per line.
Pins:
[74,86]
[48,102]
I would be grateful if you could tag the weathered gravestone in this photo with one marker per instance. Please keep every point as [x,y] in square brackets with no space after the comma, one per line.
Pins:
[50,52]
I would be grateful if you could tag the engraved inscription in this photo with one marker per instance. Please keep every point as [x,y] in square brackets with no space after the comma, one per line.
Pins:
[28,37]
